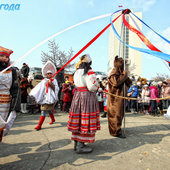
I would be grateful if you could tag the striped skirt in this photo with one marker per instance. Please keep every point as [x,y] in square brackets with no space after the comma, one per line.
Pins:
[4,108]
[84,116]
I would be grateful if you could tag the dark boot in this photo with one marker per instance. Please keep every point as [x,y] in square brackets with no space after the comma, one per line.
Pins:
[104,114]
[38,127]
[82,148]
[1,135]
[121,136]
[52,118]
[75,145]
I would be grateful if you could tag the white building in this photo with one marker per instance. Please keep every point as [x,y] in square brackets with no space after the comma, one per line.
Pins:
[35,71]
[133,57]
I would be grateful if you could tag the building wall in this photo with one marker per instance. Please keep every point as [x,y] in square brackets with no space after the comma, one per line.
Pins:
[134,58]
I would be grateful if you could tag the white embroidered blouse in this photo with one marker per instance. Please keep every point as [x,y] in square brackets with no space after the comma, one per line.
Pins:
[88,80]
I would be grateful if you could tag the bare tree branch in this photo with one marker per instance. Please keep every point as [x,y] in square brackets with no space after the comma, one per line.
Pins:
[59,58]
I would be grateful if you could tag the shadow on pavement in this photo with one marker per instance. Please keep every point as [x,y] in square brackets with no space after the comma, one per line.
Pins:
[54,145]
[48,156]
[19,148]
[17,132]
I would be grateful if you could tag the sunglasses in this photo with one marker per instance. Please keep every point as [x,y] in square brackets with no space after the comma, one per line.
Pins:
[49,73]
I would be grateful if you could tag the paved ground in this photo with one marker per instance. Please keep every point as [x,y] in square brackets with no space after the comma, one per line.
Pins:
[147,146]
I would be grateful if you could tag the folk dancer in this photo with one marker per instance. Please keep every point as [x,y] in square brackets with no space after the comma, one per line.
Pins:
[84,113]
[9,93]
[46,93]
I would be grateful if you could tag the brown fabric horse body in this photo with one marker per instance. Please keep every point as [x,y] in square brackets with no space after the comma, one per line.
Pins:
[116,80]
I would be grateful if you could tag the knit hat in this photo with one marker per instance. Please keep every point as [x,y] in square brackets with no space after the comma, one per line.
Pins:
[154,83]
[5,51]
[138,83]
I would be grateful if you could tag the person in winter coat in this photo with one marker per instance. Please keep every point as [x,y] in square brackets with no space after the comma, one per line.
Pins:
[25,70]
[133,92]
[100,98]
[66,96]
[24,85]
[104,83]
[165,92]
[146,98]
[46,93]
[154,95]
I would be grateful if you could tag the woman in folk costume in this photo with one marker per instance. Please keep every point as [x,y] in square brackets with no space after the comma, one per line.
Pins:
[84,113]
[9,93]
[115,105]
[46,93]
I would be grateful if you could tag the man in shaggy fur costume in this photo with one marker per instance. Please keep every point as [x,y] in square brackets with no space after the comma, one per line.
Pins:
[115,106]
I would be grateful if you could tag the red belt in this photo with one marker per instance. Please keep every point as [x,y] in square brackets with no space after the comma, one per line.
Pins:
[82,89]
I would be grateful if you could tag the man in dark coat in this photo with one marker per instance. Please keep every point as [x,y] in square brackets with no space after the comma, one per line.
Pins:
[25,70]
[115,106]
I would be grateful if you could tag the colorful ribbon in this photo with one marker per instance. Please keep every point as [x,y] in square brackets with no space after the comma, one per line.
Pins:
[88,44]
[152,29]
[158,54]
[140,35]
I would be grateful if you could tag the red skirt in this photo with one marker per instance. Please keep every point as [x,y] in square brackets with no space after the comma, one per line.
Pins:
[90,138]
[84,114]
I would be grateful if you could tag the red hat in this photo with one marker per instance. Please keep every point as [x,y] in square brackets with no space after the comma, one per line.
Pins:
[5,51]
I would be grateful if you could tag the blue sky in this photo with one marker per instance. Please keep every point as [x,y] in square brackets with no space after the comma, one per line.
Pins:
[36,20]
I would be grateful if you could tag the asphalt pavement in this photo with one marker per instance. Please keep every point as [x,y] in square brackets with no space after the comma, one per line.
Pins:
[147,146]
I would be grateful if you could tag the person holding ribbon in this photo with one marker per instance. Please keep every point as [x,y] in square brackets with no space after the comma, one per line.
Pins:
[9,93]
[84,113]
[46,93]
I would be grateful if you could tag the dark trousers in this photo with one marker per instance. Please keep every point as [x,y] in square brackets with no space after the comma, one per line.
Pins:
[153,107]
[166,103]
[133,105]
[101,106]
[66,106]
